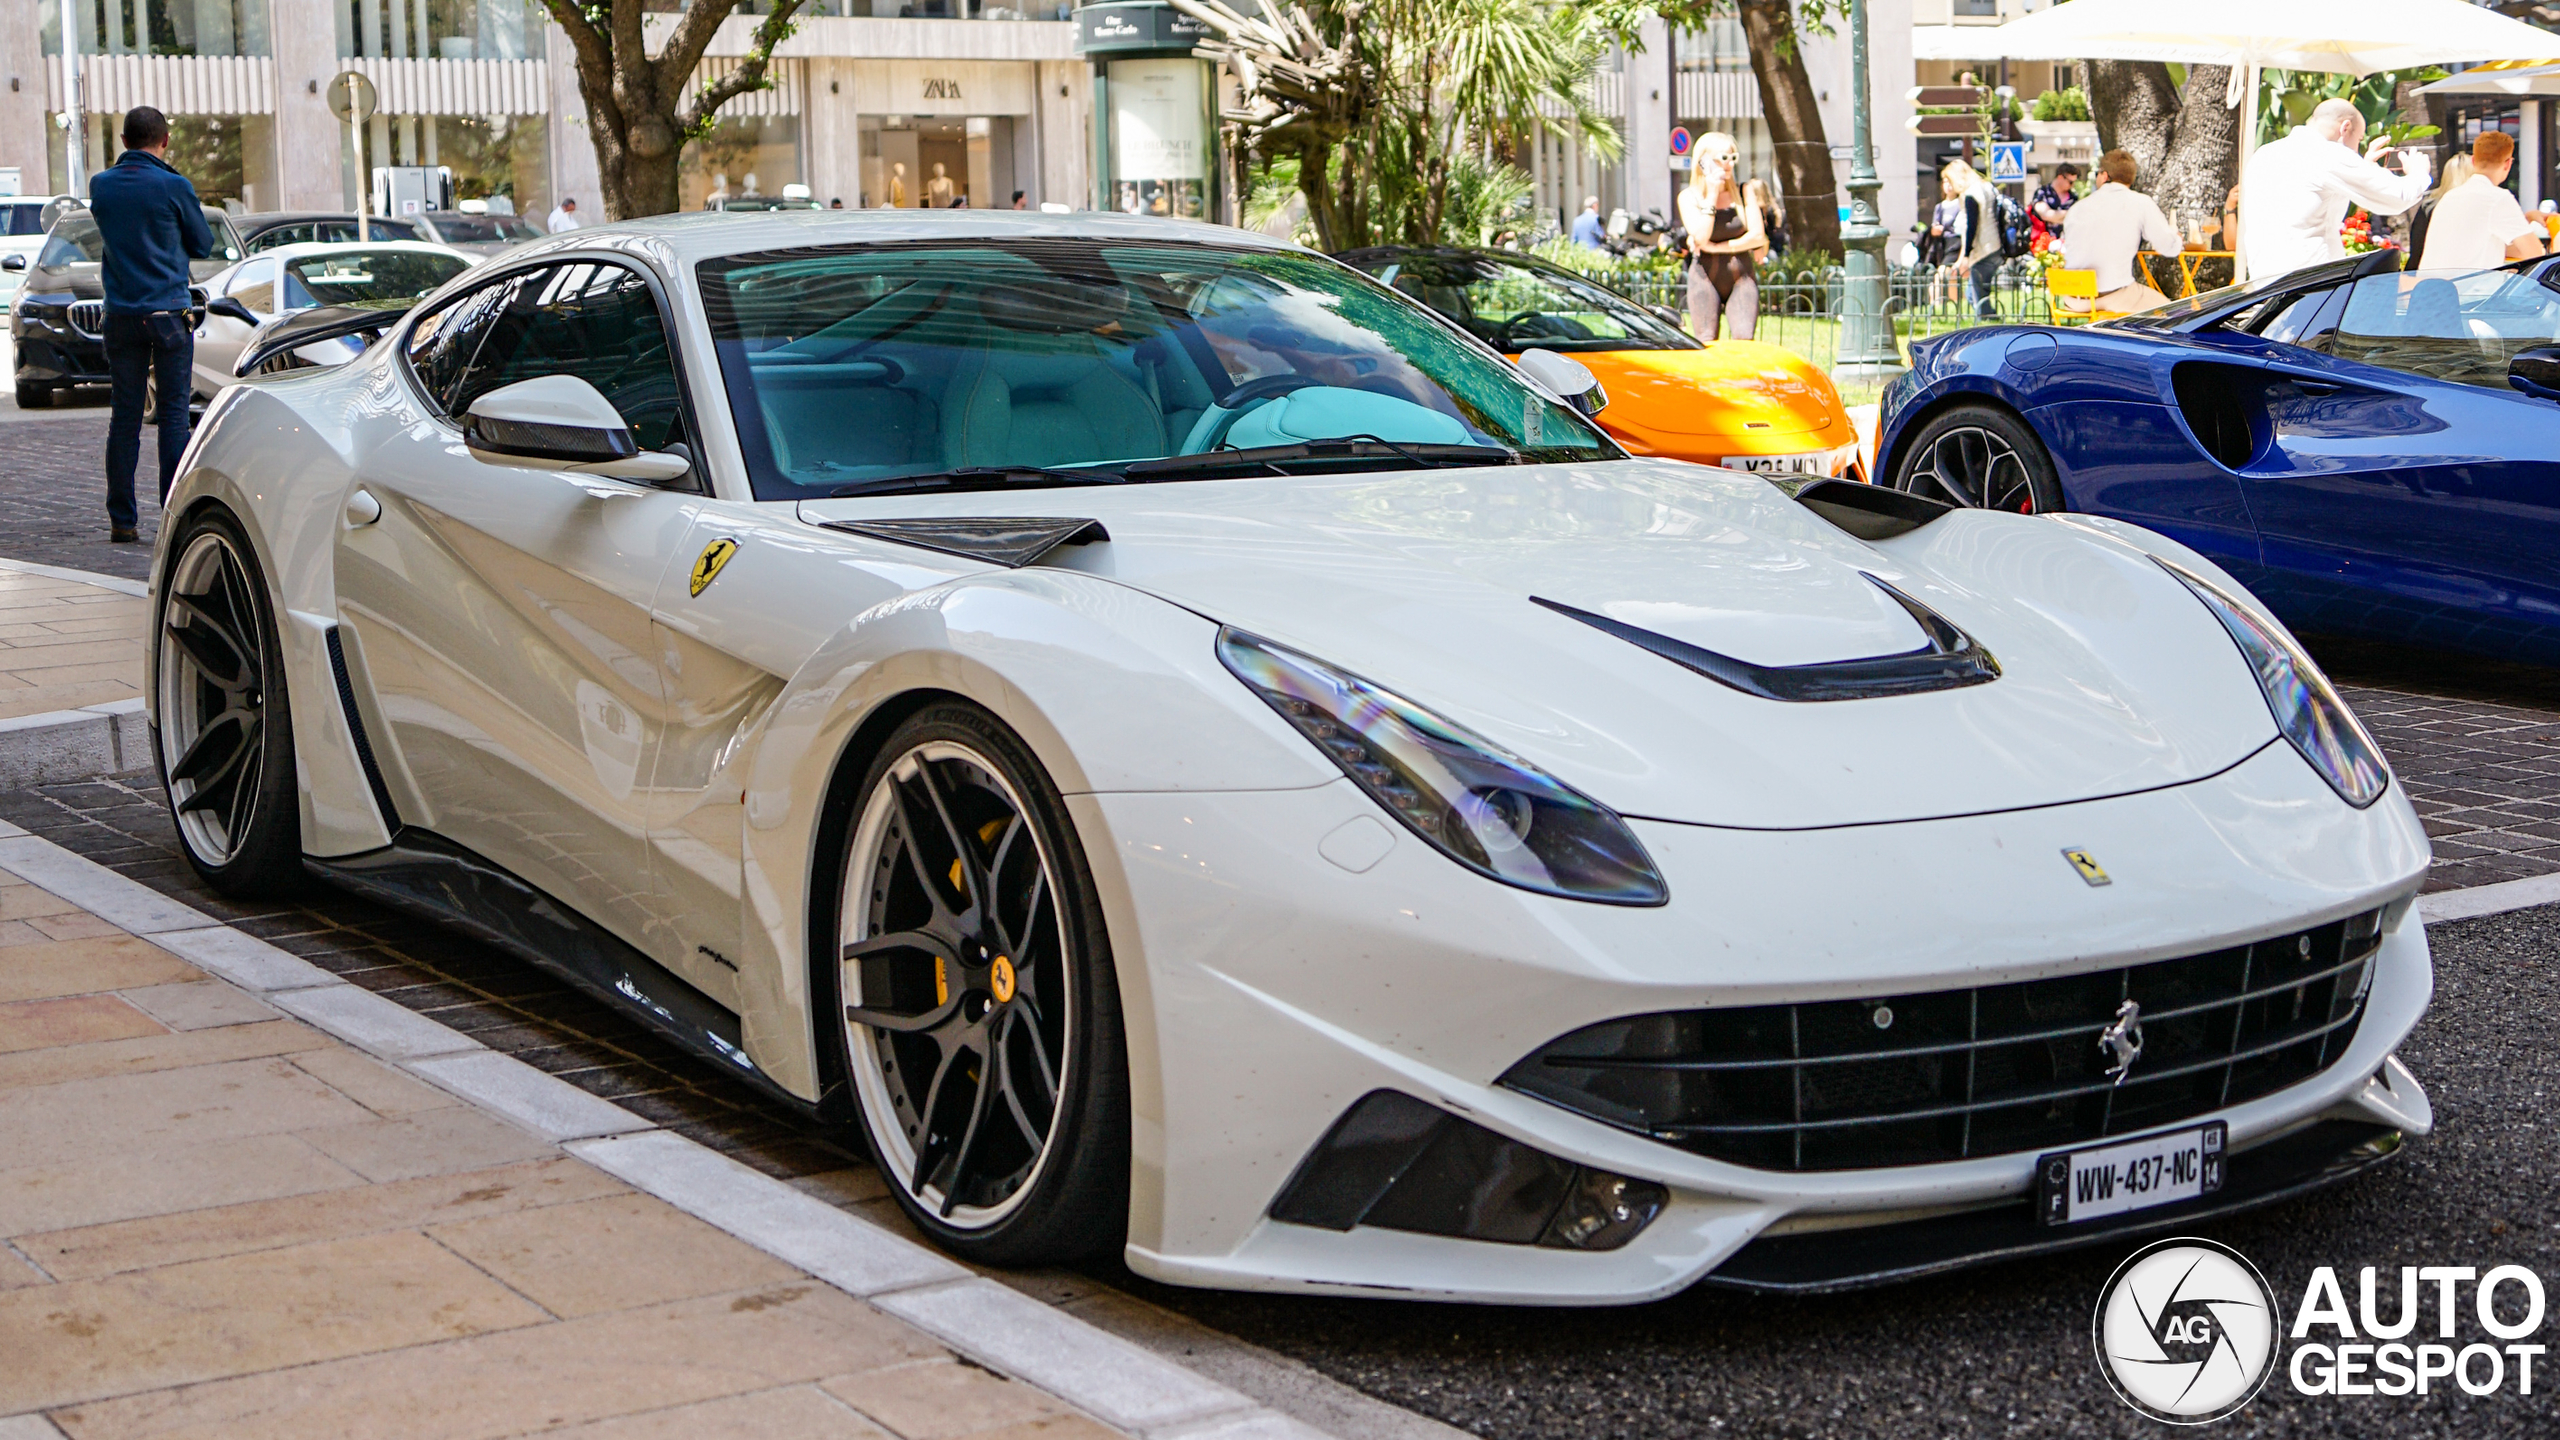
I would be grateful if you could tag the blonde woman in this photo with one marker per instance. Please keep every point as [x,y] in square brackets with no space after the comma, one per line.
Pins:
[2456,170]
[1724,233]
[1977,234]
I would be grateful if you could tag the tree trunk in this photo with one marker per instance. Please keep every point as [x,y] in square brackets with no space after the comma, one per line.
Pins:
[2136,109]
[637,113]
[2203,162]
[1795,126]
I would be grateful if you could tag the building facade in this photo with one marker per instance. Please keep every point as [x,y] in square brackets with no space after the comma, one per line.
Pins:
[874,102]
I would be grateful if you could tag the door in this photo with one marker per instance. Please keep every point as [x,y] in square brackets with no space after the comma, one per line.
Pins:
[502,611]
[2405,489]
[220,339]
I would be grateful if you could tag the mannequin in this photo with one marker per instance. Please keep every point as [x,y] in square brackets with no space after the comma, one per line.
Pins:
[898,185]
[937,191]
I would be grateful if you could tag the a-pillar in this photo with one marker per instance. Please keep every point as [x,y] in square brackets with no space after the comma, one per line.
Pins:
[308,139]
[1649,121]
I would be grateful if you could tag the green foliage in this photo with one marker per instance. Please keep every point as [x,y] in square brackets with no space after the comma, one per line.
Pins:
[1602,266]
[2067,103]
[1796,267]
[1486,197]
[2287,98]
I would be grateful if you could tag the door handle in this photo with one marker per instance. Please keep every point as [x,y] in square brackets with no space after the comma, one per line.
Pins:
[362,508]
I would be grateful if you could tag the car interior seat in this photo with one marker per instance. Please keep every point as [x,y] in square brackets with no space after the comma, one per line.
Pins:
[1040,391]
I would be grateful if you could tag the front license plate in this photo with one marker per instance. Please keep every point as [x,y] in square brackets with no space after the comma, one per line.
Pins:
[2079,1185]
[1778,464]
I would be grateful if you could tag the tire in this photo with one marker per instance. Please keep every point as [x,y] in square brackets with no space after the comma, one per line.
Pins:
[34,397]
[1980,457]
[225,733]
[1026,1160]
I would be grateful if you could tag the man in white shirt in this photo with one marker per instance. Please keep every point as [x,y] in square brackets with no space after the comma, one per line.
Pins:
[565,217]
[2102,230]
[2478,225]
[2295,191]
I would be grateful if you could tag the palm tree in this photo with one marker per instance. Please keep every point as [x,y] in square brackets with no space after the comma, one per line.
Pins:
[1375,102]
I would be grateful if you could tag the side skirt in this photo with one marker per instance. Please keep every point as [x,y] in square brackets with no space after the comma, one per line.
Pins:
[426,875]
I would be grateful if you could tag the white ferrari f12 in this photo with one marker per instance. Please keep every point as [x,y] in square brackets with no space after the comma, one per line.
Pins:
[1184,749]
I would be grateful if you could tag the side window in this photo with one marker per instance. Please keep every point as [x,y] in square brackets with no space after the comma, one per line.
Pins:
[2461,327]
[597,322]
[442,343]
[280,235]
[255,286]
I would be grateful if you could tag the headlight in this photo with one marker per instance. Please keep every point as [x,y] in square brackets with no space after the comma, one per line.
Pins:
[1491,812]
[2306,708]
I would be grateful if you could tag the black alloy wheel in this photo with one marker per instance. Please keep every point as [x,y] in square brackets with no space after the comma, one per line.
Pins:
[1980,457]
[225,737]
[980,1018]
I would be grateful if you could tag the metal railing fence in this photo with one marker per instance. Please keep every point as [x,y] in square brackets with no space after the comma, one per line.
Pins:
[1800,310]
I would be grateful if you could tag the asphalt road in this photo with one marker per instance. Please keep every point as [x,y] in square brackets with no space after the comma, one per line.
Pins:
[1998,1351]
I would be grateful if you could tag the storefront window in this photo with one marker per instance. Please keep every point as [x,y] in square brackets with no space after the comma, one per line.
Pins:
[915,162]
[439,29]
[744,155]
[1159,116]
[162,27]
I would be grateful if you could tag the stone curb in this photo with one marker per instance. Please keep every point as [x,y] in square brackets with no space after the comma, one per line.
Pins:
[58,745]
[1098,1372]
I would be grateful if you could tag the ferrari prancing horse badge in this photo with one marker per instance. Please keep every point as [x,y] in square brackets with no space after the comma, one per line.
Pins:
[707,569]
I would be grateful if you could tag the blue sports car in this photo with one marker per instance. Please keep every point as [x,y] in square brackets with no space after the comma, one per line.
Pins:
[2373,452]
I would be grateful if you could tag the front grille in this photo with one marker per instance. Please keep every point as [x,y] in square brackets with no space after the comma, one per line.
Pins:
[89,317]
[1999,1069]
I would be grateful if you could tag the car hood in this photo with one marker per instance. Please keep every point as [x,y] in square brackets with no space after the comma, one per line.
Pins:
[2113,678]
[1732,388]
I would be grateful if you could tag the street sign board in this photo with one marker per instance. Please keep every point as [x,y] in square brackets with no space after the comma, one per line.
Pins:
[1944,124]
[1948,97]
[351,97]
[2008,162]
[1679,139]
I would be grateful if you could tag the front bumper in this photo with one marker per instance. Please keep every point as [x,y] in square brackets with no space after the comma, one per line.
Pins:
[1270,988]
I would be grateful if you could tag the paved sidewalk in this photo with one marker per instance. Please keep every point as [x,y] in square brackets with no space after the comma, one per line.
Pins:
[219,1220]
[66,643]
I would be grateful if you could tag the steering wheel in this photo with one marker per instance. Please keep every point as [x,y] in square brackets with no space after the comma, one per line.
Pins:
[1528,324]
[1245,397]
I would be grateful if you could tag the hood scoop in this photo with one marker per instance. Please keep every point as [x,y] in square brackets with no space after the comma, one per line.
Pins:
[1869,512]
[1950,661]
[998,540]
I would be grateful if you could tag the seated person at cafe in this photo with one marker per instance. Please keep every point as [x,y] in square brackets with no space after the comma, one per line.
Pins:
[2105,227]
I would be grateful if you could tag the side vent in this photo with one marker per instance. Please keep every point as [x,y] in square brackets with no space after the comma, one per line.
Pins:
[355,727]
[2218,401]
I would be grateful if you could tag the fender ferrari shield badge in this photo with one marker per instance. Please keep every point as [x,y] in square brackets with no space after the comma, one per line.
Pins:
[2081,860]
[707,568]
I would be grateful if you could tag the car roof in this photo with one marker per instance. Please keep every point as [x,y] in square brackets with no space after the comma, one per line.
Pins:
[702,235]
[270,219]
[304,249]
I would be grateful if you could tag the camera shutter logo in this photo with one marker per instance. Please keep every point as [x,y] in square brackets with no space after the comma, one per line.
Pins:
[2186,1331]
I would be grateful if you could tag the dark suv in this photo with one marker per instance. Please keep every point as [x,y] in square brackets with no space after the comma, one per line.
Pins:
[60,317]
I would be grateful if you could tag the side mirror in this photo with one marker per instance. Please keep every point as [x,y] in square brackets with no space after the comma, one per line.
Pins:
[2536,372]
[1570,379]
[230,309]
[13,262]
[560,422]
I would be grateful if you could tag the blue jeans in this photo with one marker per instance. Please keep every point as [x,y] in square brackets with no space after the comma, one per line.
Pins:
[1978,283]
[139,349]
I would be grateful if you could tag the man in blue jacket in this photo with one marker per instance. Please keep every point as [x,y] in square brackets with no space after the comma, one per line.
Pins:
[152,224]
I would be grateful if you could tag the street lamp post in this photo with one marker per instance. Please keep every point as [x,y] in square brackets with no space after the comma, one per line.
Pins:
[1867,352]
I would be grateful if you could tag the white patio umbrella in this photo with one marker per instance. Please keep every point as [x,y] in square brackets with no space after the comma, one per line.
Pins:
[2524,80]
[2347,37]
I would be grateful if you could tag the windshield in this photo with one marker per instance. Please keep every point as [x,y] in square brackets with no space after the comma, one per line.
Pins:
[367,279]
[74,239]
[1513,306]
[851,366]
[461,229]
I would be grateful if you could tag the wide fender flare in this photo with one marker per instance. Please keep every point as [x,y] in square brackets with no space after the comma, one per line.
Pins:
[1112,690]
[1950,389]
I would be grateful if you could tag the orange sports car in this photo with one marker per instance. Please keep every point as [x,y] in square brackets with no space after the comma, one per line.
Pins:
[1738,403]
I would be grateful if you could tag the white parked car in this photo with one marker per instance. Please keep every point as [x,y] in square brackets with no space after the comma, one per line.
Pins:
[293,279]
[1187,750]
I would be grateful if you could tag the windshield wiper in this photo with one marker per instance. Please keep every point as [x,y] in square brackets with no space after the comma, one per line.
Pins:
[1284,459]
[978,477]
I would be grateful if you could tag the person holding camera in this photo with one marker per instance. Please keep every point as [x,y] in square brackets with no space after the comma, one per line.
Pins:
[151,223]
